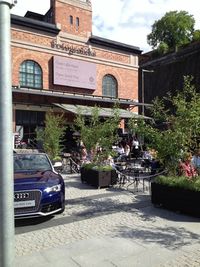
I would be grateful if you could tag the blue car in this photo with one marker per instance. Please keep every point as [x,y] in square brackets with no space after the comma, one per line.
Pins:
[38,189]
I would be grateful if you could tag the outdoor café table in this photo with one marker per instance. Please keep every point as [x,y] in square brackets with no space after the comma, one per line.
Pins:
[140,175]
[121,171]
[121,165]
[125,174]
[132,172]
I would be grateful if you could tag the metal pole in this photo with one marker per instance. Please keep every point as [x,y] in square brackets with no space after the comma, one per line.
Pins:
[6,153]
[142,92]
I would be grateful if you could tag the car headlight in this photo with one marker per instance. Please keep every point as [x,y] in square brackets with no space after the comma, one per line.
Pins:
[55,188]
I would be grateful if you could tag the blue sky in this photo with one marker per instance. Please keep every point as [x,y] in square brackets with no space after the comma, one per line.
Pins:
[126,21]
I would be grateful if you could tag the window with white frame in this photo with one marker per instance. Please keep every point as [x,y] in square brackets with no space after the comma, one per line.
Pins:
[30,74]
[109,86]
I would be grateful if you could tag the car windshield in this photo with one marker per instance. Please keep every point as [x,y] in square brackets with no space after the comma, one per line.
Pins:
[35,162]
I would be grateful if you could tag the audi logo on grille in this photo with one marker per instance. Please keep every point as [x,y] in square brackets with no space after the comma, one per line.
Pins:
[19,196]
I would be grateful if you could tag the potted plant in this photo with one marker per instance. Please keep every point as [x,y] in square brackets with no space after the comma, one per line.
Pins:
[174,131]
[98,135]
[51,135]
[98,176]
[177,194]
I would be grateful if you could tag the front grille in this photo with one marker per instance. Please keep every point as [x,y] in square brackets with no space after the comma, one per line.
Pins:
[24,197]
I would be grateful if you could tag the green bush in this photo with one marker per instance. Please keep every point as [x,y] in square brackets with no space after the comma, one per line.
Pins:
[89,166]
[103,168]
[96,132]
[57,158]
[180,182]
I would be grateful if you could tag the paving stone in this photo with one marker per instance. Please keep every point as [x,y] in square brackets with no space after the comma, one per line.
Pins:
[117,224]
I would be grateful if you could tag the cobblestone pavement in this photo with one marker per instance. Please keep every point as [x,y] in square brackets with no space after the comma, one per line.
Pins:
[115,213]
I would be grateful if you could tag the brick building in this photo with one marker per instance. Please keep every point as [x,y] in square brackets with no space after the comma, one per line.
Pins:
[57,64]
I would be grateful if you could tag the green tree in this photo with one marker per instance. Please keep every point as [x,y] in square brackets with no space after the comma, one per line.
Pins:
[98,132]
[163,48]
[174,29]
[196,35]
[182,125]
[51,136]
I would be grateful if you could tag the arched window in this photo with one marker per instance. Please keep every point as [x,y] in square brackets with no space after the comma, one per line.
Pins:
[109,86]
[30,74]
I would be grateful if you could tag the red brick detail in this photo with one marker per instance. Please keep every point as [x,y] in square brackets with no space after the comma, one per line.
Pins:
[62,13]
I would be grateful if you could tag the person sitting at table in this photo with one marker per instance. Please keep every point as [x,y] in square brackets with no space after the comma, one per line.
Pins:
[146,157]
[155,166]
[83,153]
[120,152]
[135,147]
[127,149]
[186,168]
[120,149]
[196,160]
[110,161]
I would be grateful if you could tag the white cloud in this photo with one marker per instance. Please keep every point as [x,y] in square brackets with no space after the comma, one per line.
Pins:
[126,21]
[135,18]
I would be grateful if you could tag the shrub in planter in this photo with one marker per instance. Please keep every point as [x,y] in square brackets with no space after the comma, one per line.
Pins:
[180,182]
[98,136]
[98,176]
[85,171]
[51,135]
[175,128]
[177,194]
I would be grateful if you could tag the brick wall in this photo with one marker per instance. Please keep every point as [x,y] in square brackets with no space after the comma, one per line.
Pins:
[41,47]
[37,46]
[40,51]
[64,9]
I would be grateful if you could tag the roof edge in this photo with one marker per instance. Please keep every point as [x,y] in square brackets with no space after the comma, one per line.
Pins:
[34,24]
[114,44]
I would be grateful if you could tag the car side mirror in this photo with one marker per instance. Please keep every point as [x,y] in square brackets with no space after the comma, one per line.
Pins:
[58,166]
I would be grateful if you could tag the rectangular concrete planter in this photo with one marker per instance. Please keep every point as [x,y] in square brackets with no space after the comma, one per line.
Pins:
[98,178]
[176,199]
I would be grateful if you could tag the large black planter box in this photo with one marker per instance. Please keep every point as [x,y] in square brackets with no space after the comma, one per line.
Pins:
[176,199]
[98,178]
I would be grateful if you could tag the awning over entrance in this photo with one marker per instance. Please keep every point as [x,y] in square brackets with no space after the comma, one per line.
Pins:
[103,112]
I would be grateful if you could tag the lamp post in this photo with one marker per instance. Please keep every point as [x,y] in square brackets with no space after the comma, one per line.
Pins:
[6,142]
[143,71]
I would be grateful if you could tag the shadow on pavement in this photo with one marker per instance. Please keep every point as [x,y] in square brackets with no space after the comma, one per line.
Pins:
[168,237]
[31,221]
[149,225]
